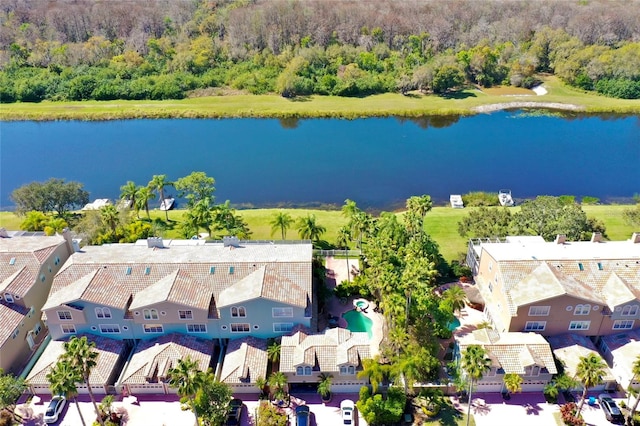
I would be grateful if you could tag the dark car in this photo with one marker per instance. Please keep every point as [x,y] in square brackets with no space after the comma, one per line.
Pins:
[611,410]
[234,412]
[302,415]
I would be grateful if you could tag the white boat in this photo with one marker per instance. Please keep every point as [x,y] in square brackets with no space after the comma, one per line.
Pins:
[456,201]
[504,196]
[167,203]
[97,204]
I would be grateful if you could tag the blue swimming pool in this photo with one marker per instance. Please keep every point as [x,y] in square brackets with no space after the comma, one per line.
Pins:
[358,322]
[454,324]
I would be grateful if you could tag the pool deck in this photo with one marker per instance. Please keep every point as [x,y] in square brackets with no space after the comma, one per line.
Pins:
[337,271]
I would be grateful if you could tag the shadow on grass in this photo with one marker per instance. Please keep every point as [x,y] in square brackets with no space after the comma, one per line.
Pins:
[458,95]
[449,416]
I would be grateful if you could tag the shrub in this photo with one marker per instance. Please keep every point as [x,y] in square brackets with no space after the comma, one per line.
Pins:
[590,200]
[479,198]
[568,412]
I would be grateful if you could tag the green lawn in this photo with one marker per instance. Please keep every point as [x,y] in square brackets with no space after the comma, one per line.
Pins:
[389,104]
[441,223]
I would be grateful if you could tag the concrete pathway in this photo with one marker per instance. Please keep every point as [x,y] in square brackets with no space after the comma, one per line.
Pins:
[522,409]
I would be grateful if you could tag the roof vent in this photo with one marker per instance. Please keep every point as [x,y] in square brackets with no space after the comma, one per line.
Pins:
[560,239]
[153,242]
[230,241]
[635,238]
[596,237]
[3,233]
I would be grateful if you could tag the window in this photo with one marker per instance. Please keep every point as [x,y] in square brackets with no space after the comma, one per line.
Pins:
[347,370]
[56,260]
[64,315]
[150,314]
[196,328]
[153,328]
[110,328]
[15,333]
[535,326]
[532,370]
[630,310]
[68,328]
[238,312]
[539,311]
[240,328]
[37,329]
[623,325]
[43,278]
[282,327]
[582,309]
[32,310]
[303,370]
[579,325]
[8,297]
[185,315]
[282,312]
[490,287]
[103,313]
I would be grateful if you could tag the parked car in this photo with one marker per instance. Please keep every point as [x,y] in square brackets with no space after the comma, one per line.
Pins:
[302,415]
[54,409]
[347,408]
[611,410]
[234,412]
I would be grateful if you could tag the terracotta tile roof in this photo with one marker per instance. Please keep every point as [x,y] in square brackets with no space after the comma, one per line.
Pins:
[245,361]
[177,287]
[109,350]
[568,348]
[511,351]
[11,315]
[153,358]
[326,351]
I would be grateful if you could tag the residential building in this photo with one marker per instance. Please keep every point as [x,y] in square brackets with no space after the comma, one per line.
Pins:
[205,289]
[526,354]
[245,361]
[28,263]
[337,351]
[621,351]
[590,288]
[111,356]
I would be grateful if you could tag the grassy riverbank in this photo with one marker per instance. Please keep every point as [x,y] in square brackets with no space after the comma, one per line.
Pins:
[274,106]
[441,223]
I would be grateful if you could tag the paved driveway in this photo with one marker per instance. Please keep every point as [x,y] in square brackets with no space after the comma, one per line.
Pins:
[523,409]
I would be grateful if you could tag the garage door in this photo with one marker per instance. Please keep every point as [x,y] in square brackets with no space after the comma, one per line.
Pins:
[151,388]
[347,387]
[493,386]
[533,386]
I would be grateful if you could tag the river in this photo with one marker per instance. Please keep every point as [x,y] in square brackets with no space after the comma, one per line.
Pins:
[378,162]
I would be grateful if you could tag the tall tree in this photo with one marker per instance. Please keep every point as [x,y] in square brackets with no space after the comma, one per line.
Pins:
[110,216]
[129,192]
[486,222]
[309,228]
[196,187]
[456,297]
[53,195]
[475,364]
[11,388]
[142,201]
[63,378]
[211,400]
[80,354]
[589,372]
[186,378]
[636,373]
[158,183]
[281,222]
[374,371]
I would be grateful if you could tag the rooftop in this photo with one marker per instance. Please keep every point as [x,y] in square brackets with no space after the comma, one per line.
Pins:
[568,348]
[245,361]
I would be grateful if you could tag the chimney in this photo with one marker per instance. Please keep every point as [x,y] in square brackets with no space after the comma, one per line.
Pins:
[75,243]
[560,239]
[66,234]
[230,241]
[635,238]
[3,233]
[596,237]
[155,242]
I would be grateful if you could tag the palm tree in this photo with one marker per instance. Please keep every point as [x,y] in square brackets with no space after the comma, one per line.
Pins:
[110,215]
[79,354]
[513,382]
[474,363]
[324,386]
[359,226]
[62,379]
[349,209]
[636,372]
[589,372]
[374,371]
[456,297]
[309,229]
[158,183]
[421,205]
[185,377]
[277,382]
[281,221]
[273,352]
[142,201]
[129,192]
[344,236]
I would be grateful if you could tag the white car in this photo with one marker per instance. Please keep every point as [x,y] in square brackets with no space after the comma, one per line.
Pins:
[347,408]
[54,409]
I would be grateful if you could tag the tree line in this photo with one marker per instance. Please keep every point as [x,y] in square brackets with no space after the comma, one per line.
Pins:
[169,50]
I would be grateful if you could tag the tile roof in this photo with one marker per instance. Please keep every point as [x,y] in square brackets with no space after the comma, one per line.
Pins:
[245,361]
[109,350]
[511,351]
[177,287]
[11,315]
[568,348]
[152,359]
[326,351]
[624,346]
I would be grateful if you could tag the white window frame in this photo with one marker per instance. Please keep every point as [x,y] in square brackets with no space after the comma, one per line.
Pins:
[539,311]
[109,328]
[629,310]
[282,327]
[282,312]
[201,328]
[582,309]
[531,369]
[152,328]
[579,325]
[238,312]
[304,370]
[623,324]
[68,328]
[62,315]
[240,327]
[185,314]
[535,326]
[150,314]
[102,313]
[347,370]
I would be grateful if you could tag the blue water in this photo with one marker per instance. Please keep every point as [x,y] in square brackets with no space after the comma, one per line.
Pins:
[378,162]
[454,324]
[358,322]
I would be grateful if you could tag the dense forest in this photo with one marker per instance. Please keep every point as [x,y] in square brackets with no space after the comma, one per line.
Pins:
[166,49]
